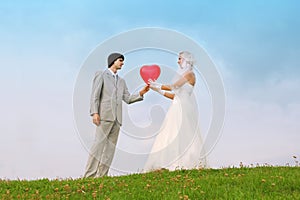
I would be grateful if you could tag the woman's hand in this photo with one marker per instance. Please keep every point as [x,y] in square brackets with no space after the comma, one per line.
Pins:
[154,86]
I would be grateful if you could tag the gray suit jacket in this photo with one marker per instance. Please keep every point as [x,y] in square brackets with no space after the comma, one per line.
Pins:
[106,97]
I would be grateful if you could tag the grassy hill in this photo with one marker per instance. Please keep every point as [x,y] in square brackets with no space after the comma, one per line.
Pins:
[228,183]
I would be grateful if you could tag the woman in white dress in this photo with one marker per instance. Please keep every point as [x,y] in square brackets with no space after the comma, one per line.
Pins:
[178,143]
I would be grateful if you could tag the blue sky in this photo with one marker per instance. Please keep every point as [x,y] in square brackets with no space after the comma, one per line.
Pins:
[254,44]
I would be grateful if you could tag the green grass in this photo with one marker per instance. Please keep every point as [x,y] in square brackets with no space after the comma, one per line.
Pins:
[228,183]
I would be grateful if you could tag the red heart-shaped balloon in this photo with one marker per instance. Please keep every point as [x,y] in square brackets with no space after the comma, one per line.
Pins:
[148,72]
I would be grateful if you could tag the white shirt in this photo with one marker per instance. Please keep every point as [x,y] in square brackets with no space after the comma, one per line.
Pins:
[114,74]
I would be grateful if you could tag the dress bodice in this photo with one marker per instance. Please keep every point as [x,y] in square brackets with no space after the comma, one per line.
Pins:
[185,89]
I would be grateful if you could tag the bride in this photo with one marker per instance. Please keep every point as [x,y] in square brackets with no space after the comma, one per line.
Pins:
[178,143]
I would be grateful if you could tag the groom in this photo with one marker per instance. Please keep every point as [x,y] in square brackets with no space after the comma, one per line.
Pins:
[106,109]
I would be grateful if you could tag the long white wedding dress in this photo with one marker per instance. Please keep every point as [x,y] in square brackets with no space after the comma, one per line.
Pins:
[178,143]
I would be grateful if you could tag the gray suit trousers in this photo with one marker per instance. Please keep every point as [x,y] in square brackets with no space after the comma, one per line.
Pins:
[103,149]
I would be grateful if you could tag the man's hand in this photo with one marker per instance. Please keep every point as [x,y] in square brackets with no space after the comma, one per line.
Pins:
[96,119]
[144,90]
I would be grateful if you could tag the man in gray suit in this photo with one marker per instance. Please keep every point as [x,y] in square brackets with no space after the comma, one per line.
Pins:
[106,109]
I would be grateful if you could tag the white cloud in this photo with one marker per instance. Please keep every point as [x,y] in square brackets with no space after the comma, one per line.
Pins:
[261,125]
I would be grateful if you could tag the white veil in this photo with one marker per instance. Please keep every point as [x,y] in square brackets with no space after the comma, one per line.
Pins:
[187,64]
